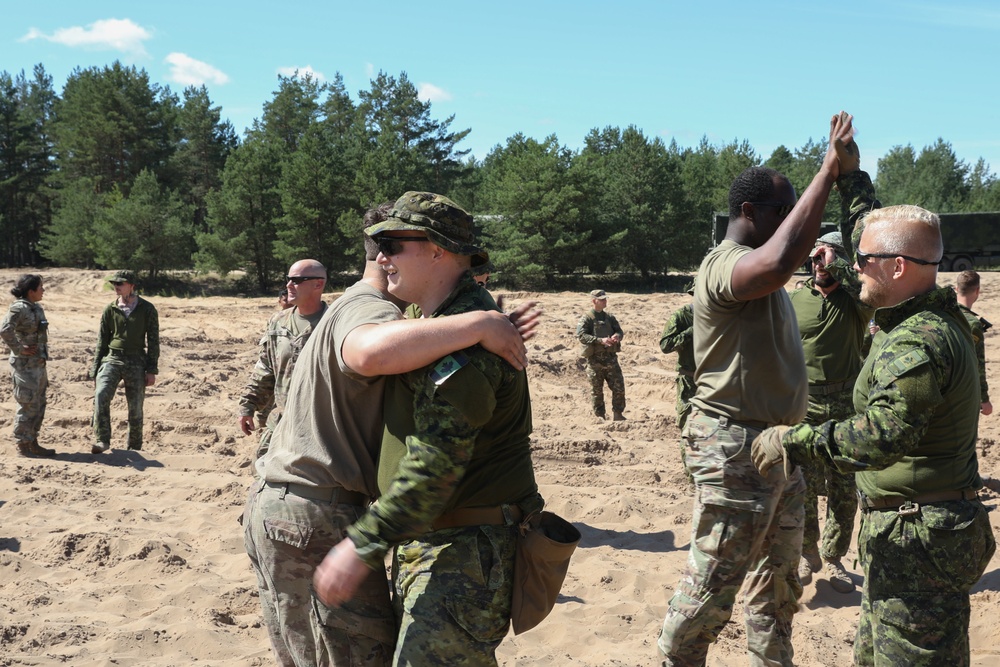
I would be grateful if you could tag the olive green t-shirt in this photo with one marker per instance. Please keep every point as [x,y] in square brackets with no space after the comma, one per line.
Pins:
[750,365]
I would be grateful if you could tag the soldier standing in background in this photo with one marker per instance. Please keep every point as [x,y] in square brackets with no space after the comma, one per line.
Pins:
[967,288]
[832,323]
[678,336]
[25,331]
[127,351]
[286,334]
[601,336]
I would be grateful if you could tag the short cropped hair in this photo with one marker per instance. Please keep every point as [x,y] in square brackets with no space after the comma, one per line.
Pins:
[373,216]
[907,230]
[967,282]
[27,282]
[753,184]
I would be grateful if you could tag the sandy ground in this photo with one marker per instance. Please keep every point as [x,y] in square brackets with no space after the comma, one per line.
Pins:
[136,558]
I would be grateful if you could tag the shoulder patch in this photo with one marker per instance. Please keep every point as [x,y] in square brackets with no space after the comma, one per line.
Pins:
[447,367]
[906,362]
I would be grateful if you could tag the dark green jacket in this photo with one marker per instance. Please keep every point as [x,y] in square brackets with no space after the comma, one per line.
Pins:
[678,336]
[979,327]
[137,334]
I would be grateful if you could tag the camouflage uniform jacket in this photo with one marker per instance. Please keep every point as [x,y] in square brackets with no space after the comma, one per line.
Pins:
[283,339]
[979,328]
[678,336]
[132,334]
[916,404]
[456,436]
[25,324]
[591,328]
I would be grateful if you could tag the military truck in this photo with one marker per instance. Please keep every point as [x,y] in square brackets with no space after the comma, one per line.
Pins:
[971,240]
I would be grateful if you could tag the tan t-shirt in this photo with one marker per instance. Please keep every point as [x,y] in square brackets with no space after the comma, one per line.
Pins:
[748,353]
[331,429]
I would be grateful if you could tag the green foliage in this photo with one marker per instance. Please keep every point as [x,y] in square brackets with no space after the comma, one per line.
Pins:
[67,240]
[148,231]
[533,225]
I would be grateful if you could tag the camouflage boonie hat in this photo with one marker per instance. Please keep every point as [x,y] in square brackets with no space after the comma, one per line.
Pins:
[832,239]
[446,223]
[598,294]
[123,276]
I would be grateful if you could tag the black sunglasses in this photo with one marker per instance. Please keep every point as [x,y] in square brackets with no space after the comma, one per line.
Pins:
[783,208]
[298,280]
[391,245]
[863,258]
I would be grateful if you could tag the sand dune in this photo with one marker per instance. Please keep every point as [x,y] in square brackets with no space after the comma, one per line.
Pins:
[136,558]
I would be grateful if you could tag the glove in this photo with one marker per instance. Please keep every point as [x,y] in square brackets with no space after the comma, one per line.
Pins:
[766,450]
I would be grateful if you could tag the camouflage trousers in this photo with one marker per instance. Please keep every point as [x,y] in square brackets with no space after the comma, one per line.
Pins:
[130,370]
[839,488]
[31,380]
[286,537]
[919,570]
[453,594]
[599,371]
[746,530]
[685,391]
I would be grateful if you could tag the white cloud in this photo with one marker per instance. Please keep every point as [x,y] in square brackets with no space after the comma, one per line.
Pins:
[302,72]
[106,34]
[370,70]
[187,71]
[431,93]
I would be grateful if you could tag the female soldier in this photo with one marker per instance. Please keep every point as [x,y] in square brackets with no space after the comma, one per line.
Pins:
[25,330]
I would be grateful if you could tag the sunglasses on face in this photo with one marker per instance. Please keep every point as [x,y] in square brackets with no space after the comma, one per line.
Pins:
[783,208]
[865,257]
[392,245]
[298,280]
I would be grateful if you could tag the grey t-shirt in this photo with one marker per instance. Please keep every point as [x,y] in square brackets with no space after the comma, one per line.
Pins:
[748,353]
[331,430]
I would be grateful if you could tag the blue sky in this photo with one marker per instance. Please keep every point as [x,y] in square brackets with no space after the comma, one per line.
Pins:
[770,72]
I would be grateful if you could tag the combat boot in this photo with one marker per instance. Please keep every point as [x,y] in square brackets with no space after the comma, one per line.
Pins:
[618,416]
[600,414]
[38,450]
[24,448]
[810,562]
[840,581]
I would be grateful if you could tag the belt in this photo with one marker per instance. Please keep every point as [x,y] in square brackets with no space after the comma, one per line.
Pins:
[725,421]
[326,494]
[907,506]
[502,515]
[832,388]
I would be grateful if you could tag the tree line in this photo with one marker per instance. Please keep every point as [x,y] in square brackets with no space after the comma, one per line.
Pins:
[119,171]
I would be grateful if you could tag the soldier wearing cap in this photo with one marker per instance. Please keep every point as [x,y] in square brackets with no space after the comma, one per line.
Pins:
[455,472]
[601,336]
[286,333]
[127,351]
[832,324]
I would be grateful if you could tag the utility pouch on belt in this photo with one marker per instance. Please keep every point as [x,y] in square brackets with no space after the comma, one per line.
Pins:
[545,543]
